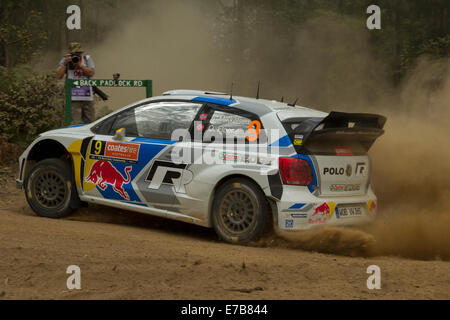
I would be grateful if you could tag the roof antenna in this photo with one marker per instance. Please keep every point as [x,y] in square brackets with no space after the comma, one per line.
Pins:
[231,94]
[293,105]
[257,92]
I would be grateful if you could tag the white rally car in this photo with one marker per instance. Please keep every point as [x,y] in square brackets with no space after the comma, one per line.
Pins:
[232,163]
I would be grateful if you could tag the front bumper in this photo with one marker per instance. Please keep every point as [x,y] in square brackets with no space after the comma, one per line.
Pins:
[21,172]
[298,209]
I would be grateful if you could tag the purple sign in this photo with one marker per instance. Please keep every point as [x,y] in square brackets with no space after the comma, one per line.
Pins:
[82,93]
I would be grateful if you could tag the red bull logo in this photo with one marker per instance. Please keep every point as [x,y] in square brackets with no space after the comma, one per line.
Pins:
[323,209]
[103,173]
[371,207]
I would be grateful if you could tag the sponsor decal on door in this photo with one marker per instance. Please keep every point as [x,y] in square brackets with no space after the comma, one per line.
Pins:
[103,173]
[115,151]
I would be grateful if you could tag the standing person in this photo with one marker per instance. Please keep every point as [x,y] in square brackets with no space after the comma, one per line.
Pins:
[75,65]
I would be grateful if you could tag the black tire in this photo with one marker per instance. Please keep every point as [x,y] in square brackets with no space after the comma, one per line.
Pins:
[50,189]
[240,211]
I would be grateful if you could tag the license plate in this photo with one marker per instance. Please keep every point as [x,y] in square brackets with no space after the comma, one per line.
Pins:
[349,211]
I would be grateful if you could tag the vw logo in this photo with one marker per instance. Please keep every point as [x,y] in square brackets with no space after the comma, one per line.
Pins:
[349,170]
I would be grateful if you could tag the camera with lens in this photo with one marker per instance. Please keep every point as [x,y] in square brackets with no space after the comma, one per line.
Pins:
[75,58]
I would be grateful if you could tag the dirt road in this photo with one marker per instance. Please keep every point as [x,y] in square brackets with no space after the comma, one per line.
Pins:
[129,256]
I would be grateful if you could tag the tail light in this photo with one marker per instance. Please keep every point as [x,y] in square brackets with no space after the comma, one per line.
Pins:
[295,171]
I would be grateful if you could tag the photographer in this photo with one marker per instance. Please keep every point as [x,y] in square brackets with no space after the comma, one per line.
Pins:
[75,65]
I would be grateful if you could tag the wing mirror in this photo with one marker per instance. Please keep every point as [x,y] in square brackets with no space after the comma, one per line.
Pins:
[120,134]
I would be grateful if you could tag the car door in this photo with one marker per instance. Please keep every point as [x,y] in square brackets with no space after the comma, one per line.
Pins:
[219,144]
[138,168]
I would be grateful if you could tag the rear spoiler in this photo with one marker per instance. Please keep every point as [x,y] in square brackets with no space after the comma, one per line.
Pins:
[364,127]
[351,122]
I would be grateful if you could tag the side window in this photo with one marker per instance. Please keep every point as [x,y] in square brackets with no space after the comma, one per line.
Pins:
[231,126]
[126,120]
[158,120]
[104,128]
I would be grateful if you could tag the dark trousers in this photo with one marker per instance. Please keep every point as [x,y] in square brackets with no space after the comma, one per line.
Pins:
[83,112]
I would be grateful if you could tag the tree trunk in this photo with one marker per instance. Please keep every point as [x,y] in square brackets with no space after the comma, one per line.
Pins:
[3,42]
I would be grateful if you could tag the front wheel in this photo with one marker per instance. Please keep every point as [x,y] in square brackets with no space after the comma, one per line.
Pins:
[49,189]
[240,211]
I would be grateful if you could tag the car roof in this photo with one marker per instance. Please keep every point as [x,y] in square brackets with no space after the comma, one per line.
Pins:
[259,107]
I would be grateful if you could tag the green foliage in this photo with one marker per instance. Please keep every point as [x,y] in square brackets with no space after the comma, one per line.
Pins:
[409,29]
[30,104]
[22,33]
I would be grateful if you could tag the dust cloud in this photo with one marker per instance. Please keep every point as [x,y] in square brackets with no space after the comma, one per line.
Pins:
[411,177]
[330,67]
[169,42]
[412,170]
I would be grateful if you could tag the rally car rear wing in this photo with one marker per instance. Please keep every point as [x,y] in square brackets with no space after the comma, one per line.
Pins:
[354,133]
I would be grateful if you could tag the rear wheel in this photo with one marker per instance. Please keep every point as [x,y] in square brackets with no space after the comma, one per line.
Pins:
[49,188]
[240,211]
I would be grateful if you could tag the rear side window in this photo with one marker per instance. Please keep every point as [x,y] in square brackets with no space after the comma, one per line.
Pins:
[231,126]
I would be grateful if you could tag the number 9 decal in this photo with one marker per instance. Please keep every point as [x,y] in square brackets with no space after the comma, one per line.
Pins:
[254,131]
[98,147]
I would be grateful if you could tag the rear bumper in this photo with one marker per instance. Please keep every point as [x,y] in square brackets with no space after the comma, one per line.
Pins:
[300,210]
